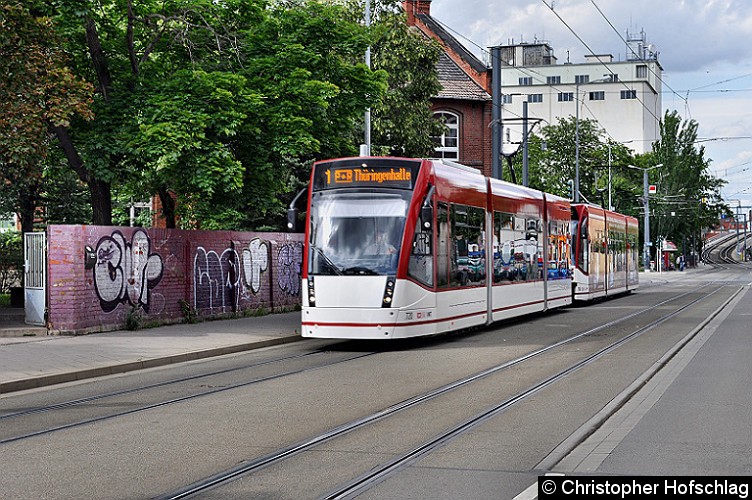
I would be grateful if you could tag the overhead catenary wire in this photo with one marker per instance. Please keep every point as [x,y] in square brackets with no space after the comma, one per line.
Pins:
[605,65]
[663,82]
[562,88]
[539,77]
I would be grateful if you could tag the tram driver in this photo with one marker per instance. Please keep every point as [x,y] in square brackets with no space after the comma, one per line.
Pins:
[380,245]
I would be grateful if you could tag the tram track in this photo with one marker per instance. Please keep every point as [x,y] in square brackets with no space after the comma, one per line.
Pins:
[35,421]
[41,426]
[170,446]
[375,476]
[378,472]
[723,247]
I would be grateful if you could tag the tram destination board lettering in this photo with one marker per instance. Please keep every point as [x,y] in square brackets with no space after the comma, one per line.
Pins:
[331,177]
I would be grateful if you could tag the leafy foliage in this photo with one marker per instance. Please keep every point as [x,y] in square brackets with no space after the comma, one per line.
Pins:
[11,260]
[37,91]
[689,197]
[221,106]
[552,168]
[403,122]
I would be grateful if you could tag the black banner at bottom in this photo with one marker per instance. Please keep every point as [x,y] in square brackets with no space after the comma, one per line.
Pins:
[608,487]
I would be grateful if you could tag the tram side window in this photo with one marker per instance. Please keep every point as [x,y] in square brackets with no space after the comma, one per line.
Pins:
[583,257]
[468,263]
[620,251]
[442,245]
[559,250]
[534,249]
[420,266]
[517,246]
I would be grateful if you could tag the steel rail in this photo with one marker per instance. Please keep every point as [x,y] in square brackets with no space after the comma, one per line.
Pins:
[377,475]
[254,465]
[189,397]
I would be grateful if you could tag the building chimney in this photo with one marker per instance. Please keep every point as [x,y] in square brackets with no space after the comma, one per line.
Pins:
[415,7]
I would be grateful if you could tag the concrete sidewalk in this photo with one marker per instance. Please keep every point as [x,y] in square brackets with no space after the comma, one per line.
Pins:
[27,362]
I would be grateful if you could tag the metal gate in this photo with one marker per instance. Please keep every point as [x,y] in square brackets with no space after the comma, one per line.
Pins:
[35,277]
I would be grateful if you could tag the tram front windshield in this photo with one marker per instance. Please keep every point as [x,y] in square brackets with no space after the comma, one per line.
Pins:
[357,233]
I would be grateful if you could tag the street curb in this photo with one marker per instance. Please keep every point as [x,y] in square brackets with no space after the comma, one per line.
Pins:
[61,378]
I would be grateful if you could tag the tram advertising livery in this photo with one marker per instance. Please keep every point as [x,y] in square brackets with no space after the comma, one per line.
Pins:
[400,247]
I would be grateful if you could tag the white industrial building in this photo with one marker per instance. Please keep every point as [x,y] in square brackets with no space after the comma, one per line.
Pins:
[624,97]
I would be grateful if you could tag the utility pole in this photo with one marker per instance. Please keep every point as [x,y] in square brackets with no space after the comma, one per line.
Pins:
[646,203]
[496,111]
[368,110]
[607,78]
[646,229]
[524,144]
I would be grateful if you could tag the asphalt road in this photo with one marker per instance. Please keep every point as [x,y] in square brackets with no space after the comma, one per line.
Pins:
[170,427]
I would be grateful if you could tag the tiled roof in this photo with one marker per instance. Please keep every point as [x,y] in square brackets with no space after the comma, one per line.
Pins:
[452,42]
[456,84]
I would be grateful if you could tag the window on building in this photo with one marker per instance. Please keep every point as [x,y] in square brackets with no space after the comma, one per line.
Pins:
[526,80]
[642,71]
[629,94]
[506,98]
[553,80]
[447,145]
[7,225]
[566,96]
[581,79]
[535,98]
[598,95]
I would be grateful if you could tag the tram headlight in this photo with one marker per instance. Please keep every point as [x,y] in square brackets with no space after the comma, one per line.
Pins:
[311,294]
[386,301]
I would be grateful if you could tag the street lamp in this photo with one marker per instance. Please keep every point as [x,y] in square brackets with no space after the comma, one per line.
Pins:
[577,134]
[646,229]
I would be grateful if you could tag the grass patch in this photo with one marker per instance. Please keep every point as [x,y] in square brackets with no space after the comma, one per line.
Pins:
[4,299]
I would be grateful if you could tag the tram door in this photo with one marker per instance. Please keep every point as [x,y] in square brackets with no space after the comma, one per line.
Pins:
[35,277]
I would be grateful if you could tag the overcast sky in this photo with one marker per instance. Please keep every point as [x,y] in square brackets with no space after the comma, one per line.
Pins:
[704,46]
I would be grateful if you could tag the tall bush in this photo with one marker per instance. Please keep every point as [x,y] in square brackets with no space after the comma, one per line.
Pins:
[11,260]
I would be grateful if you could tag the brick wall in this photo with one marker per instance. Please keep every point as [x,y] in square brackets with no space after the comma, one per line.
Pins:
[475,134]
[99,275]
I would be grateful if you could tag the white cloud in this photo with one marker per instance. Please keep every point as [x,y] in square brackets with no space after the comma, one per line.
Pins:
[703,47]
[690,34]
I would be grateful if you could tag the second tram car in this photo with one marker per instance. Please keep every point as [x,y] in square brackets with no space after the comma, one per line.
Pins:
[399,247]
[606,252]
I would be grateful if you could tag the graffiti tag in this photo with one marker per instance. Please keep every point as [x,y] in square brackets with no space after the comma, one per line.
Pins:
[125,272]
[289,259]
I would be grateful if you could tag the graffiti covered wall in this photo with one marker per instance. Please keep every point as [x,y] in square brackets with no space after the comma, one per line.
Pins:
[99,275]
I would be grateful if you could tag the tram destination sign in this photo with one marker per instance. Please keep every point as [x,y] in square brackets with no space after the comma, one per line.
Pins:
[338,175]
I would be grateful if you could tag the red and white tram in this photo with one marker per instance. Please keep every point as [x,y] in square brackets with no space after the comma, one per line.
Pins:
[606,252]
[399,247]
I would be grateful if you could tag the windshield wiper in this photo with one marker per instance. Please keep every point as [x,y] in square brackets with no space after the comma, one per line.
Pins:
[327,261]
[360,270]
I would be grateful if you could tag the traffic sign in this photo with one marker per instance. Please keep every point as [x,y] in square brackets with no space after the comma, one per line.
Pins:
[652,189]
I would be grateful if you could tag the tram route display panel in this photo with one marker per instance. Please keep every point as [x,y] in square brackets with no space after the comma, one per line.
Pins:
[367,173]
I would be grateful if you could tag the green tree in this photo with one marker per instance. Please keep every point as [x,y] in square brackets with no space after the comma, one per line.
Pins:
[305,59]
[219,105]
[38,92]
[402,121]
[142,58]
[11,260]
[689,196]
[552,167]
